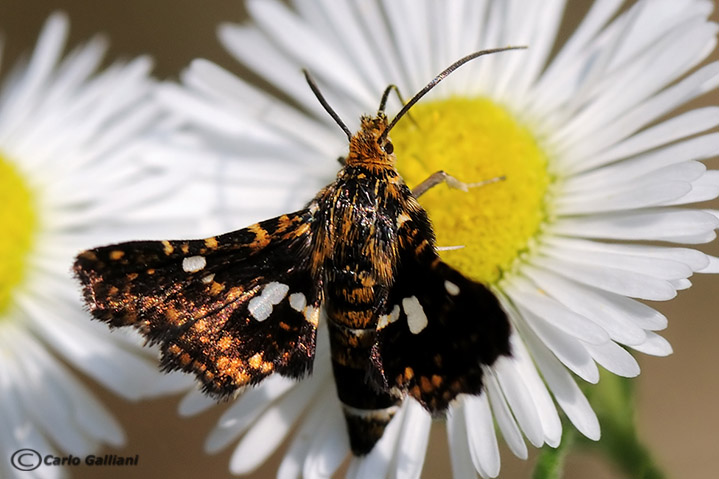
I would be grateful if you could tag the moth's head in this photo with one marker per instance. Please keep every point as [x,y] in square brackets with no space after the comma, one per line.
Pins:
[369,145]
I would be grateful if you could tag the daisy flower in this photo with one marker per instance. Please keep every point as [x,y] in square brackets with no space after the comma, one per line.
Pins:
[77,168]
[594,168]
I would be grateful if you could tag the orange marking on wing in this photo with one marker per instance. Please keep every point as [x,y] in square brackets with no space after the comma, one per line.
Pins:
[255,361]
[262,239]
[167,248]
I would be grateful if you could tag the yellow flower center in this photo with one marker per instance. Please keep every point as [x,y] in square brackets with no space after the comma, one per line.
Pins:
[19,224]
[475,140]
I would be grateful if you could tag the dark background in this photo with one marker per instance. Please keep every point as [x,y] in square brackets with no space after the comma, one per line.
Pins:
[678,413]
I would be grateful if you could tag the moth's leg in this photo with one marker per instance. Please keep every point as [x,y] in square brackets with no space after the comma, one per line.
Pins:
[341,160]
[444,177]
[386,93]
[390,88]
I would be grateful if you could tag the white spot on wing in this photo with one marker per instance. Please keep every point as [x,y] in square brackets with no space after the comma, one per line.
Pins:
[451,288]
[402,218]
[208,279]
[275,292]
[387,319]
[260,307]
[312,315]
[192,264]
[298,301]
[416,319]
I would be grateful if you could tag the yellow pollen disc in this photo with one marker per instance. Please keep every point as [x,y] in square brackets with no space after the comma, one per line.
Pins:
[475,140]
[19,223]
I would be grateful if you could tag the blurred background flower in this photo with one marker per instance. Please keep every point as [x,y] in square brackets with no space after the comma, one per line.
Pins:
[80,164]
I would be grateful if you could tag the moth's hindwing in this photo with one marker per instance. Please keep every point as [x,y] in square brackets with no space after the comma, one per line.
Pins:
[232,308]
[438,328]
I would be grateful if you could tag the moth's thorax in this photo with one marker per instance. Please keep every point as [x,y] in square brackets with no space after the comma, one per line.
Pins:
[358,248]
[365,148]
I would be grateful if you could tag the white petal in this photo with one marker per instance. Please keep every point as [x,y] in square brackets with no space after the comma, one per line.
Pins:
[47,52]
[605,119]
[296,457]
[300,42]
[250,47]
[283,123]
[654,345]
[381,38]
[344,21]
[89,347]
[503,416]
[658,224]
[17,430]
[617,180]
[553,86]
[598,256]
[551,424]
[590,303]
[565,390]
[693,259]
[531,297]
[694,85]
[703,189]
[329,444]
[57,413]
[459,453]
[614,359]
[270,429]
[627,171]
[482,440]
[414,439]
[677,127]
[712,266]
[407,22]
[629,283]
[566,348]
[194,403]
[248,407]
[639,196]
[519,398]
[618,197]
[681,284]
[543,28]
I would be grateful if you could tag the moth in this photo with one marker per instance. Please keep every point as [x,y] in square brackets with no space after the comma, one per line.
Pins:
[235,308]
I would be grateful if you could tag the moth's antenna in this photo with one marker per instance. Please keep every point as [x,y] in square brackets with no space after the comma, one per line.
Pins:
[325,105]
[383,136]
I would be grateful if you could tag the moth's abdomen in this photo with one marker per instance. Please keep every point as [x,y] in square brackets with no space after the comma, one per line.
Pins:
[351,301]
[367,408]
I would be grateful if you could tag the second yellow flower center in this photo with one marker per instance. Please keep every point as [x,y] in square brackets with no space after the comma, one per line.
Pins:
[475,140]
[19,224]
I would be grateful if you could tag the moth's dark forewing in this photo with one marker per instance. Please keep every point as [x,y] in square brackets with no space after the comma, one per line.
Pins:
[232,309]
[439,328]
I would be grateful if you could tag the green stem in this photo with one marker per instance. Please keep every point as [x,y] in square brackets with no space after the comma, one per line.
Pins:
[550,462]
[613,401]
